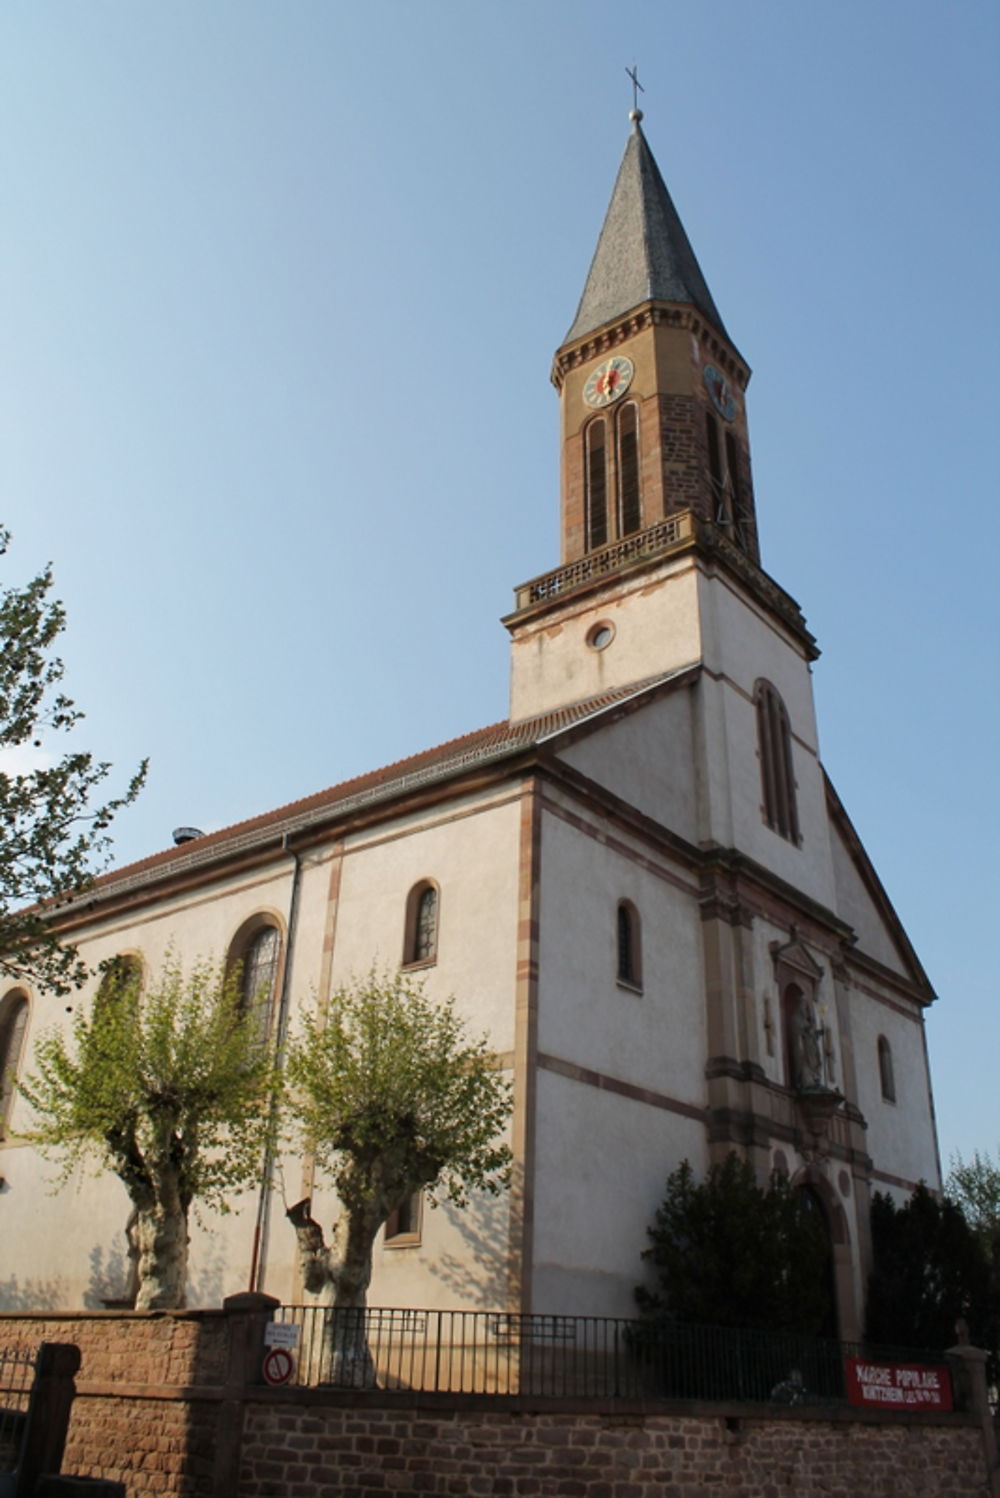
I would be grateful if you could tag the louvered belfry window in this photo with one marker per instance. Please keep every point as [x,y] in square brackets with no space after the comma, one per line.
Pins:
[628,469]
[715,466]
[774,744]
[597,485]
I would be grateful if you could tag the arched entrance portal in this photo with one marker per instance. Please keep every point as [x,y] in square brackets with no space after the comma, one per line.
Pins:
[811,1207]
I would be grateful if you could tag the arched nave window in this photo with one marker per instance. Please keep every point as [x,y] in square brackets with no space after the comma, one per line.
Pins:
[420,940]
[886,1076]
[629,945]
[13,1024]
[256,953]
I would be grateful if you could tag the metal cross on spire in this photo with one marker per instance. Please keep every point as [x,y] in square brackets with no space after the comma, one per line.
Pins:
[637,88]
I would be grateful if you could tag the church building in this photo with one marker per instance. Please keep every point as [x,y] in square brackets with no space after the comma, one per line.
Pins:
[640,883]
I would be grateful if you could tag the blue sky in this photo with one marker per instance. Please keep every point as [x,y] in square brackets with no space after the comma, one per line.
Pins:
[280,286]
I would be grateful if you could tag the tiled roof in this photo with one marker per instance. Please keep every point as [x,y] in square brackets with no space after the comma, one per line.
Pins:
[482,746]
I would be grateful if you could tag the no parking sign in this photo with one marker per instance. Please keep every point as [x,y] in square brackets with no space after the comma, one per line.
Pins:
[279,1359]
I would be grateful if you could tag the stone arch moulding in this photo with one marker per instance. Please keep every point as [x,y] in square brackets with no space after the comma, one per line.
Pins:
[422,923]
[844,1282]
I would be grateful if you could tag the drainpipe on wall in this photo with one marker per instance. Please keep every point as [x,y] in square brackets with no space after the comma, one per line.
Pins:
[258,1260]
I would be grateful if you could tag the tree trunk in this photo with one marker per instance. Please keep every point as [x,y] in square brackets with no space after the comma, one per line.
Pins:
[161,1236]
[340,1273]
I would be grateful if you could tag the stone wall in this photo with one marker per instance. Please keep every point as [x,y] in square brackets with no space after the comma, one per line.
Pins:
[321,1451]
[148,1395]
[167,1404]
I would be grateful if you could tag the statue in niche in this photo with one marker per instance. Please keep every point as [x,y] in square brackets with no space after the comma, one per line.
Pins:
[806,1046]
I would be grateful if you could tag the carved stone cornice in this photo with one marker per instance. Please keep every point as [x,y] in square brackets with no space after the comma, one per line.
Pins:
[738,1071]
[649,315]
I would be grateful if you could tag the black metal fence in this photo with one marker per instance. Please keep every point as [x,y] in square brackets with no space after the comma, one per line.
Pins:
[17,1375]
[36,1397]
[596,1357]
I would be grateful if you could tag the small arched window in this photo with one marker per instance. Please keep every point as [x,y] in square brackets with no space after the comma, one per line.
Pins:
[886,1076]
[629,506]
[117,975]
[258,969]
[13,1024]
[596,484]
[421,939]
[774,747]
[629,945]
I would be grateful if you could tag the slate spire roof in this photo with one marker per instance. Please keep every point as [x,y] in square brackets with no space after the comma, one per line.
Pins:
[643,253]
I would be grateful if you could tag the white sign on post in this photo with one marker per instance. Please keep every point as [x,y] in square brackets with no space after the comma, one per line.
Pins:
[281,1334]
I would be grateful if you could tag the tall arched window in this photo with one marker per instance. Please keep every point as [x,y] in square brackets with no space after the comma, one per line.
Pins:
[258,969]
[629,945]
[421,934]
[597,484]
[13,1024]
[886,1075]
[629,506]
[774,745]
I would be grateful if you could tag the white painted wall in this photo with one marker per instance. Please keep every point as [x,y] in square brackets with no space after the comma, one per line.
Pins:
[655,1038]
[657,628]
[647,759]
[600,1174]
[854,905]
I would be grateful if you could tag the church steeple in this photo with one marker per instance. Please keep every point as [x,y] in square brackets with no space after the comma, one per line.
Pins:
[657,506]
[643,253]
[650,382]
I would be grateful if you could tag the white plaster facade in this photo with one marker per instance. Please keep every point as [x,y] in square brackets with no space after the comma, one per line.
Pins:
[630,773]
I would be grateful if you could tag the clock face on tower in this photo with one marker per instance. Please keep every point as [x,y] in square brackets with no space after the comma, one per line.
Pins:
[609,381]
[720,392]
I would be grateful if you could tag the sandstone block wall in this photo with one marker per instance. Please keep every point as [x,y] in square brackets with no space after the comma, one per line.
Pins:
[324,1452]
[159,1408]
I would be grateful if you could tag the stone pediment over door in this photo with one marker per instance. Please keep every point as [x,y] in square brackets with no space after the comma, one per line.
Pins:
[794,958]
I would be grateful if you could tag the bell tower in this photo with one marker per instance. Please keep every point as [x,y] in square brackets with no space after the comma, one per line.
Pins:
[651,386]
[657,501]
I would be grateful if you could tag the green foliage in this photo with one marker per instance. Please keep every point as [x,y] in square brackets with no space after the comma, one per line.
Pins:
[53,836]
[975,1186]
[169,1089]
[387,1085]
[732,1253]
[929,1269]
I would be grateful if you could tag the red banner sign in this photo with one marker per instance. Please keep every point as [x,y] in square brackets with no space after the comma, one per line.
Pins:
[897,1386]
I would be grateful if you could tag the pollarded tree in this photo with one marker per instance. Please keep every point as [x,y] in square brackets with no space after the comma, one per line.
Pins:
[53,835]
[170,1089]
[394,1097]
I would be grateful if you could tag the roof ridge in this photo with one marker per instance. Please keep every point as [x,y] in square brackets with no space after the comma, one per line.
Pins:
[423,767]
